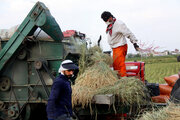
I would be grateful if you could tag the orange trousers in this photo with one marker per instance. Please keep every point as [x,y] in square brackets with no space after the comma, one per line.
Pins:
[119,57]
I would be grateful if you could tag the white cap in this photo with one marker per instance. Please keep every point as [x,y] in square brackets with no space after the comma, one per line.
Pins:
[67,65]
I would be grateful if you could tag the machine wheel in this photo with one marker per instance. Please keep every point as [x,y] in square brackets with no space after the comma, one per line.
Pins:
[22,54]
[38,64]
[5,83]
[24,114]
[13,112]
[178,58]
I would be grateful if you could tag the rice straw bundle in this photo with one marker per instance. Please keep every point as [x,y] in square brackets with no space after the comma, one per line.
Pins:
[94,49]
[97,56]
[83,59]
[171,112]
[129,90]
[82,95]
[97,76]
[92,56]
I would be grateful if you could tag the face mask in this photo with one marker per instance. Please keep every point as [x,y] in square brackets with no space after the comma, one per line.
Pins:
[107,23]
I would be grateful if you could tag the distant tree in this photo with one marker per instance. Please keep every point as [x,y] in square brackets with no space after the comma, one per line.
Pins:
[137,55]
[130,55]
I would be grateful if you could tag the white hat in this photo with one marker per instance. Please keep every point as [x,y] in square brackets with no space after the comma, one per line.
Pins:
[67,65]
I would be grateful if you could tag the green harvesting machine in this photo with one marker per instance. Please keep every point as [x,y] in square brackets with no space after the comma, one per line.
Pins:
[28,65]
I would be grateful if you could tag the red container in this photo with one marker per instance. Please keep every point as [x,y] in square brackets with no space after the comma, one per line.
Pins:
[136,69]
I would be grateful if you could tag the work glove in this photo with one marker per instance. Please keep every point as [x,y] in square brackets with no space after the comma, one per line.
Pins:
[136,46]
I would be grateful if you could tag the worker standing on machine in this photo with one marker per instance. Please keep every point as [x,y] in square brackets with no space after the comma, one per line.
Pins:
[59,105]
[116,33]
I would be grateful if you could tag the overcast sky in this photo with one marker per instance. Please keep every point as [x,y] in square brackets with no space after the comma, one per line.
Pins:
[154,22]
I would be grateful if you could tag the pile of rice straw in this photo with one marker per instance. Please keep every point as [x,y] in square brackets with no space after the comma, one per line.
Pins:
[83,59]
[82,95]
[97,57]
[129,90]
[97,76]
[92,56]
[94,49]
[171,112]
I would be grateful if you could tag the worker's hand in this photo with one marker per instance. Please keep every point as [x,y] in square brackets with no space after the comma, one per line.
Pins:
[136,47]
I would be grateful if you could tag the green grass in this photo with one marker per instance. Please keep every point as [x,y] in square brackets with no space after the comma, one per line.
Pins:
[156,68]
[157,59]
[156,72]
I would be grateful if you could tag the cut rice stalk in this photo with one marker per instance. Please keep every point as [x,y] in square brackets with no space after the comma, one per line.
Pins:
[97,76]
[129,90]
[171,112]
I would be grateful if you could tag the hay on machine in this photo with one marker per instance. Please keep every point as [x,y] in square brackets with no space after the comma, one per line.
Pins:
[129,90]
[91,56]
[97,78]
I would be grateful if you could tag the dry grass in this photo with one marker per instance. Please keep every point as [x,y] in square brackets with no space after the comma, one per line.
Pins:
[94,49]
[82,95]
[97,57]
[83,59]
[129,90]
[171,112]
[97,76]
[91,56]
